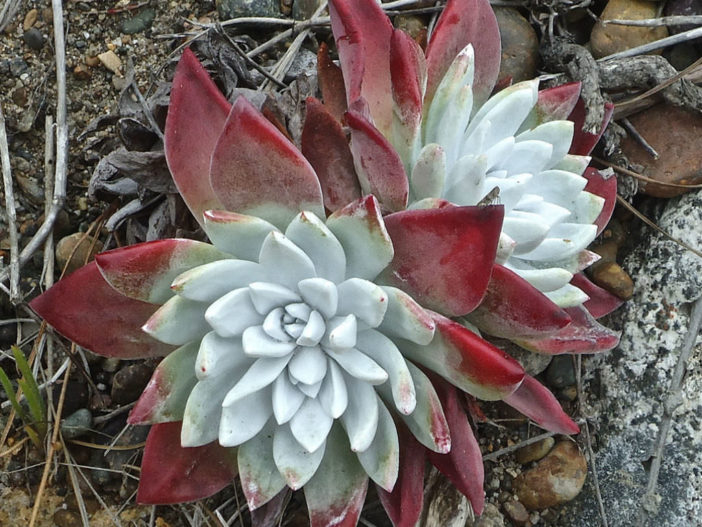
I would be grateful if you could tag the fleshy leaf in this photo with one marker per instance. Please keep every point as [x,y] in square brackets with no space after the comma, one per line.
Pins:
[331,83]
[584,142]
[443,256]
[326,147]
[178,321]
[360,228]
[604,187]
[381,459]
[466,361]
[513,307]
[173,474]
[163,400]
[86,309]
[145,271]
[362,33]
[601,302]
[583,335]
[336,492]
[465,22]
[237,234]
[463,466]
[255,169]
[535,401]
[553,104]
[378,165]
[404,504]
[260,479]
[195,119]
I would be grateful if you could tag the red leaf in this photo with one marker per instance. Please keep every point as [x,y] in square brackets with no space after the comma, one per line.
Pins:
[255,170]
[584,142]
[404,504]
[326,147]
[512,307]
[465,22]
[173,474]
[380,169]
[331,83]
[601,302]
[408,71]
[196,117]
[84,308]
[535,401]
[605,187]
[463,465]
[583,335]
[362,32]
[557,103]
[443,257]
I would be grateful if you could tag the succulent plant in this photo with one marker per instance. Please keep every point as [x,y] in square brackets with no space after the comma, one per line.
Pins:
[298,346]
[425,130]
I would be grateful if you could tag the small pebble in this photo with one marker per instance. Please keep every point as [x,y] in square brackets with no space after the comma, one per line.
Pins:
[92,61]
[535,451]
[560,373]
[64,518]
[238,8]
[516,512]
[83,253]
[76,424]
[491,517]
[520,45]
[111,61]
[33,38]
[29,19]
[140,22]
[81,72]
[129,382]
[609,39]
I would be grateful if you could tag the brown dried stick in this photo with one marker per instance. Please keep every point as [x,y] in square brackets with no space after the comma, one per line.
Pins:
[11,213]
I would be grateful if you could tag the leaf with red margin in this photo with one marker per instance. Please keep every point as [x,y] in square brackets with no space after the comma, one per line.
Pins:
[336,492]
[466,360]
[606,188]
[535,401]
[443,257]
[404,504]
[326,147]
[601,302]
[463,465]
[145,271]
[512,307]
[584,142]
[465,22]
[362,32]
[553,104]
[331,83]
[378,165]
[256,171]
[196,117]
[173,474]
[86,309]
[583,335]
[408,71]
[270,514]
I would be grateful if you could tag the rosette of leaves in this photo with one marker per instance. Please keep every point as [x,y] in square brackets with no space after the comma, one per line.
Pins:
[424,131]
[298,347]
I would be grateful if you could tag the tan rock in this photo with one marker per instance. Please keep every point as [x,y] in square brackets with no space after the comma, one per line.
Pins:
[520,45]
[535,451]
[77,248]
[674,134]
[111,61]
[557,478]
[29,19]
[516,512]
[608,39]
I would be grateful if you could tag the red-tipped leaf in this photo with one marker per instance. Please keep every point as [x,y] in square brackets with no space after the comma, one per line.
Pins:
[326,147]
[443,257]
[408,71]
[606,188]
[173,474]
[601,302]
[553,104]
[86,309]
[584,142]
[195,119]
[465,22]
[255,170]
[583,335]
[463,465]
[535,401]
[331,83]
[512,307]
[404,504]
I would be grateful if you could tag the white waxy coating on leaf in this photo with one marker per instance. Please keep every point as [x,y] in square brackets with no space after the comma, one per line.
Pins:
[245,418]
[231,314]
[295,464]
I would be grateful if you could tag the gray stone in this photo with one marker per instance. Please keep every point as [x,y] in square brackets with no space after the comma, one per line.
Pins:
[76,424]
[238,8]
[560,372]
[33,38]
[305,63]
[635,379]
[139,22]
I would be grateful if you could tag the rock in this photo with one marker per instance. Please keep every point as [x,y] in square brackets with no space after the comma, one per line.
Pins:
[76,424]
[140,22]
[520,45]
[557,478]
[84,251]
[533,363]
[29,19]
[609,39]
[414,26]
[304,63]
[111,61]
[64,518]
[92,61]
[82,72]
[560,373]
[304,9]
[673,133]
[491,517]
[237,8]
[636,377]
[129,382]
[516,512]
[18,67]
[535,451]
[110,364]
[33,38]
[682,55]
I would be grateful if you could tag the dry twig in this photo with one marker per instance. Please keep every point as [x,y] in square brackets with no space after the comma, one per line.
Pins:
[657,22]
[11,213]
